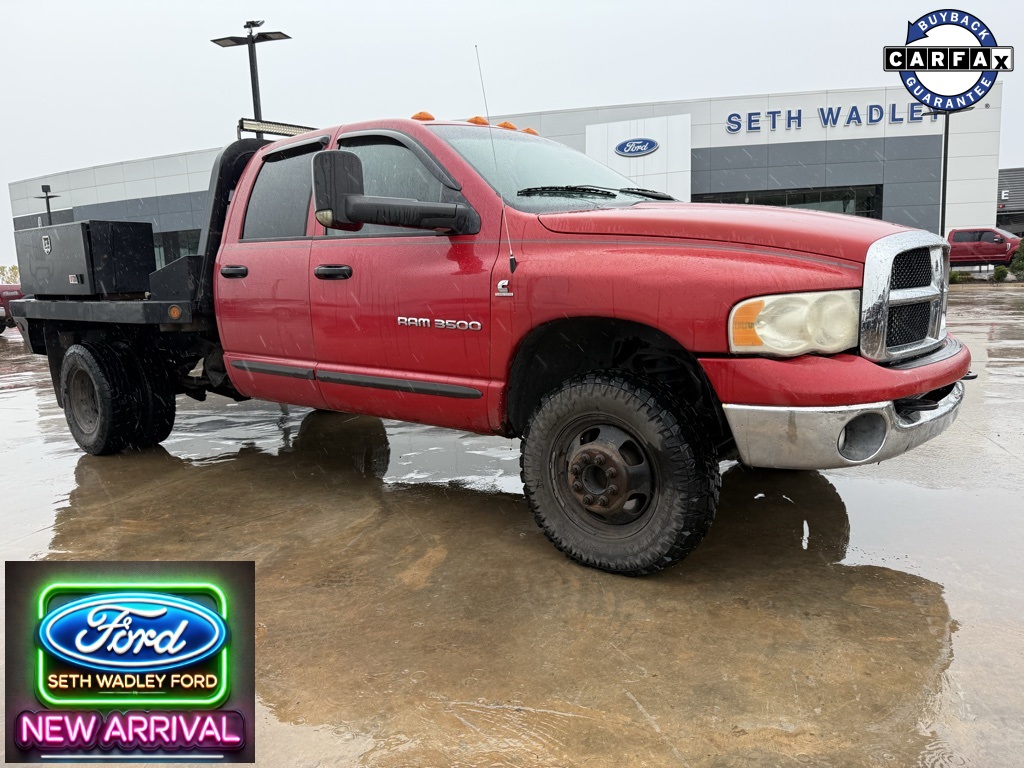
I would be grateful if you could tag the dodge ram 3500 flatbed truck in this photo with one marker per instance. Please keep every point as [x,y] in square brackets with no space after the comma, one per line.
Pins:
[487,279]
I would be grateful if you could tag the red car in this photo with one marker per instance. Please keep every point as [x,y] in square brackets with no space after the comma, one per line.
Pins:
[8,293]
[981,245]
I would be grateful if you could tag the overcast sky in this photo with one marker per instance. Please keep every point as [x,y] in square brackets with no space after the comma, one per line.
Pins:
[86,83]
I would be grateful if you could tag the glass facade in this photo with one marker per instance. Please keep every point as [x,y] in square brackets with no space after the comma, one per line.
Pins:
[859,201]
[173,245]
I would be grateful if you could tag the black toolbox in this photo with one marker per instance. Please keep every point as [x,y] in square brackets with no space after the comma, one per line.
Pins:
[86,258]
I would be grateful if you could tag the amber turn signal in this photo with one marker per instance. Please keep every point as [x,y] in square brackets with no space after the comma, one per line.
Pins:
[743,333]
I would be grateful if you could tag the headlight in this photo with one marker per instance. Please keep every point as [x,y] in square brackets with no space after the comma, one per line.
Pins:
[796,323]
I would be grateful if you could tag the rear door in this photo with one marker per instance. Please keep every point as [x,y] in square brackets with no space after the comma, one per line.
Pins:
[963,249]
[401,317]
[262,282]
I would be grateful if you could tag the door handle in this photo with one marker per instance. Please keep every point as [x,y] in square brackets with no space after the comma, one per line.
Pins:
[234,271]
[333,272]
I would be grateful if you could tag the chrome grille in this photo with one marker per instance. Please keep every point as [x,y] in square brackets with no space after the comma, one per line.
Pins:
[903,310]
[907,324]
[911,269]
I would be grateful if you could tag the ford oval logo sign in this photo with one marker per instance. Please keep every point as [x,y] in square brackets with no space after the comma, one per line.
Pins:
[132,632]
[636,147]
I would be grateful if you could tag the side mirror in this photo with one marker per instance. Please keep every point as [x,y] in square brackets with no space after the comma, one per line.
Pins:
[337,176]
[998,239]
[341,204]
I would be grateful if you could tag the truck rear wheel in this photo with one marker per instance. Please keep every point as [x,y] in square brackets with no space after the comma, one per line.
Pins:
[100,404]
[618,475]
[158,406]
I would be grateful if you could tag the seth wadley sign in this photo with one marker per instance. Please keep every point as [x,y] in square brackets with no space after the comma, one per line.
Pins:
[827,117]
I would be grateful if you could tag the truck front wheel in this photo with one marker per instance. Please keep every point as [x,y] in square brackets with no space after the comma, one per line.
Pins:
[618,475]
[100,404]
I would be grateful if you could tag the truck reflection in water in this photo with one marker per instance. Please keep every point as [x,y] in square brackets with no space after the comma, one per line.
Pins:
[434,624]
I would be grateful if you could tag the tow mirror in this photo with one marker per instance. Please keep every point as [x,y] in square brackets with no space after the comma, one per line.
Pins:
[341,204]
[337,176]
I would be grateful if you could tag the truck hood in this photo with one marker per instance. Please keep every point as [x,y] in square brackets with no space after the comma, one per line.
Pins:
[827,234]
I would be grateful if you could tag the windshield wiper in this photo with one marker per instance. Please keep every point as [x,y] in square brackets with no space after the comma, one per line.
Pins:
[594,189]
[651,193]
[568,190]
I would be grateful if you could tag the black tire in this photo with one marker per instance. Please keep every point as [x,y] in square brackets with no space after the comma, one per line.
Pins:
[661,498]
[158,404]
[100,403]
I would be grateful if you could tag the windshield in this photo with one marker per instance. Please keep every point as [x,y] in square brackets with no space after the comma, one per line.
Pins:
[526,163]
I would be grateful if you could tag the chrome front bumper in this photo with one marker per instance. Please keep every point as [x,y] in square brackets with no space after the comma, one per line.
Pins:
[842,436]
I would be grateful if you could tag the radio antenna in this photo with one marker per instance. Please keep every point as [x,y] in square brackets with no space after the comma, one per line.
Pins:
[494,153]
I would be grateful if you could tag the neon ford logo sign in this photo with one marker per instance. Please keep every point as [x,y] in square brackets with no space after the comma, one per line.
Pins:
[636,147]
[132,631]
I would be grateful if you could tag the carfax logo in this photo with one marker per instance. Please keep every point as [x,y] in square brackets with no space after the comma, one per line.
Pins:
[134,667]
[950,60]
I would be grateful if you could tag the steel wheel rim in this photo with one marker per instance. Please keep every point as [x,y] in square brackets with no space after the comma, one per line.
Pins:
[614,497]
[83,401]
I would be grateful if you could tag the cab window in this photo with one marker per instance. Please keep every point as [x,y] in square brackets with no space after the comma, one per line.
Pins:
[964,236]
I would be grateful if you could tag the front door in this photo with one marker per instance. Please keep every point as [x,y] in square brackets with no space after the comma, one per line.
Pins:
[401,317]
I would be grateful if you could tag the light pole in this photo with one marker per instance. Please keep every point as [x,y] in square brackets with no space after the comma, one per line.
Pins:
[250,40]
[945,161]
[47,197]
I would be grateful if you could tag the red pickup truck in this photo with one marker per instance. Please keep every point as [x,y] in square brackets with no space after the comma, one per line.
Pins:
[8,293]
[487,279]
[981,245]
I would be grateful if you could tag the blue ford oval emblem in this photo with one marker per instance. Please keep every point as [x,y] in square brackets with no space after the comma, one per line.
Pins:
[132,631]
[636,147]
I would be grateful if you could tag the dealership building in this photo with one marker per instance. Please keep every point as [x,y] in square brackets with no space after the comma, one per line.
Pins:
[868,152]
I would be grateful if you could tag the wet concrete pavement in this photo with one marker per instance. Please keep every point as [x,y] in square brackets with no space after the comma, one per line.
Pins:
[410,613]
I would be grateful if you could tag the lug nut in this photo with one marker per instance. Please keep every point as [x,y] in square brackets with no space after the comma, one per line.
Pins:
[612,489]
[575,469]
[603,501]
[599,459]
[611,472]
[585,459]
[588,499]
[577,487]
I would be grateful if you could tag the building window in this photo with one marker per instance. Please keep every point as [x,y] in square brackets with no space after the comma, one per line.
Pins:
[859,201]
[173,245]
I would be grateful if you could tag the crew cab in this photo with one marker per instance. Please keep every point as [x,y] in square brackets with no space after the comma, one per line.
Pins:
[487,279]
[8,293]
[981,245]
